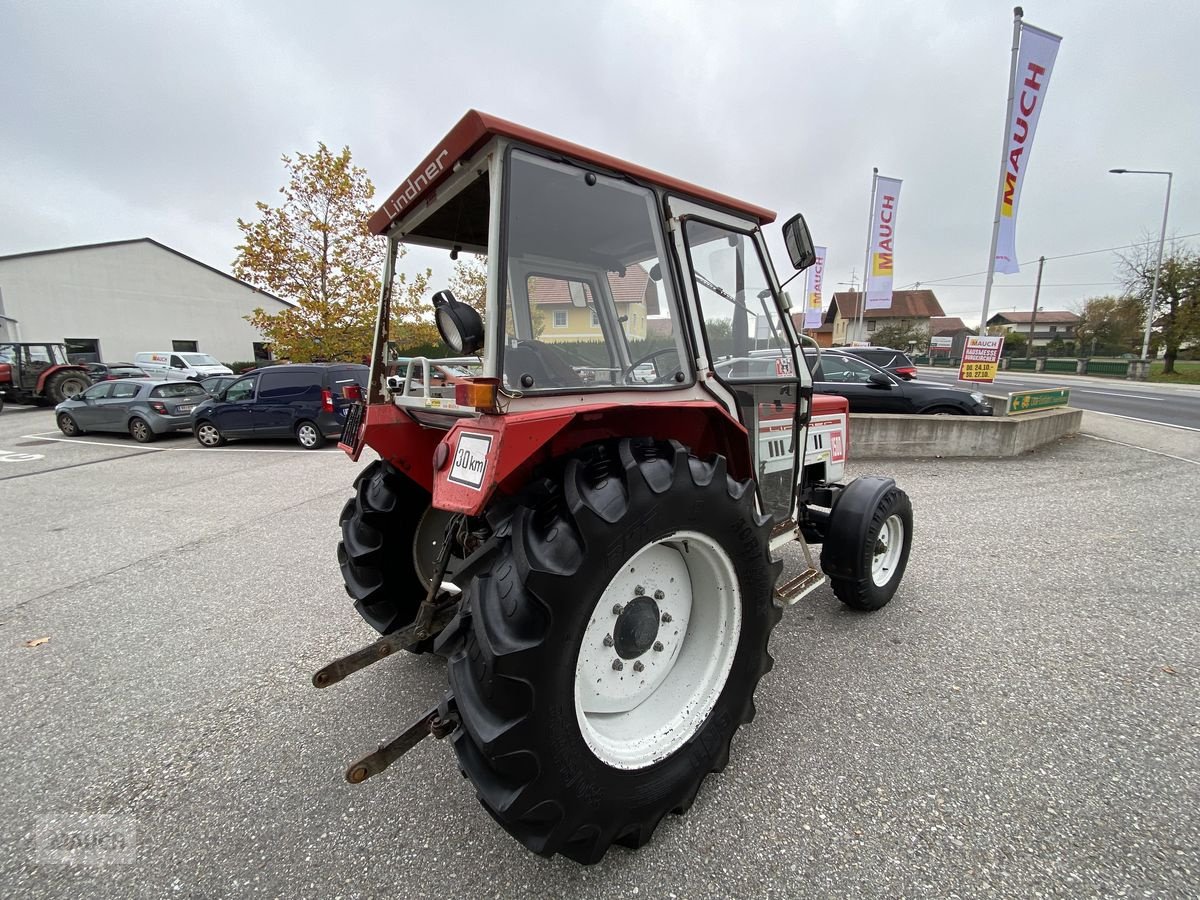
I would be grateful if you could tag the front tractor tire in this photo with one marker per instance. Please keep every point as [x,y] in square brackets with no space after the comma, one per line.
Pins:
[866,550]
[378,552]
[603,664]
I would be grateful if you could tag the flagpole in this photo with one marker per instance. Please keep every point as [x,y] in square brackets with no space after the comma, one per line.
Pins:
[862,300]
[1012,92]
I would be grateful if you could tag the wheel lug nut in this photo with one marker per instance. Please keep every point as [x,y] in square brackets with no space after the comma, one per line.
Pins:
[637,666]
[618,665]
[666,617]
[608,640]
[658,595]
[639,590]
[658,646]
[617,607]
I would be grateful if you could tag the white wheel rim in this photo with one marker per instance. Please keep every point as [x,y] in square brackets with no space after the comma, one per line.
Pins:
[427,542]
[633,717]
[886,554]
[308,435]
[208,435]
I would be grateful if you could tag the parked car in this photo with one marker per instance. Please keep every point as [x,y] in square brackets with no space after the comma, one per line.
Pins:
[214,384]
[872,390]
[113,371]
[895,361]
[141,407]
[307,403]
[179,366]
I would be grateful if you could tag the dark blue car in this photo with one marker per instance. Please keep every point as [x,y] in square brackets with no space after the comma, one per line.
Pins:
[306,403]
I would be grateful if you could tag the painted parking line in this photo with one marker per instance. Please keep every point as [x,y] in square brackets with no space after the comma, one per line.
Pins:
[1096,437]
[50,436]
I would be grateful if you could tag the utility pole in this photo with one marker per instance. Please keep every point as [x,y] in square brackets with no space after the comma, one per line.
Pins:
[1037,290]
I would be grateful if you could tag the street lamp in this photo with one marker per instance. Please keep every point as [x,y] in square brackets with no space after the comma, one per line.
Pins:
[1162,237]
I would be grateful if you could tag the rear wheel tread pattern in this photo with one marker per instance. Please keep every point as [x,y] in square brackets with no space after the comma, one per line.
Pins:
[513,737]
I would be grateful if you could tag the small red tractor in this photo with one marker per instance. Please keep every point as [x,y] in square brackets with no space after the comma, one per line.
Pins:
[592,531]
[39,373]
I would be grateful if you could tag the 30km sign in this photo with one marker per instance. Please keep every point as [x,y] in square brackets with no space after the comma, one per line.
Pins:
[981,359]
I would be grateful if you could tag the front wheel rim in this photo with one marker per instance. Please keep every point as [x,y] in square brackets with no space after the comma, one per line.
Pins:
[208,434]
[657,651]
[886,554]
[66,425]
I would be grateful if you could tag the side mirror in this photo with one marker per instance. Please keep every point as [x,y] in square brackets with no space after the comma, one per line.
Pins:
[76,396]
[799,243]
[880,380]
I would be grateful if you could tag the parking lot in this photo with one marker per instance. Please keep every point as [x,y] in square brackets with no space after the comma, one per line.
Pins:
[1022,720]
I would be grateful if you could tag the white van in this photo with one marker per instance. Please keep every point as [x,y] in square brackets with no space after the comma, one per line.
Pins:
[179,366]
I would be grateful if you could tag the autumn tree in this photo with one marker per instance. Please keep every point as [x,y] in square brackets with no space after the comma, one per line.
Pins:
[1177,313]
[900,337]
[314,250]
[1110,326]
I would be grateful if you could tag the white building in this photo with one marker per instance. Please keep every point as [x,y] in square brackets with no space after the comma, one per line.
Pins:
[110,301]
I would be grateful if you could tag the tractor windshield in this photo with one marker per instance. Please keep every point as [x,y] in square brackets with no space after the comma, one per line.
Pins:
[586,303]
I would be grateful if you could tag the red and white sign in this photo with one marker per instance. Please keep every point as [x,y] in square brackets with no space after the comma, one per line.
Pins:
[981,359]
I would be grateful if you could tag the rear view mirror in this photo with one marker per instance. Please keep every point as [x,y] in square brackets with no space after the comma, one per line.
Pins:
[578,294]
[799,243]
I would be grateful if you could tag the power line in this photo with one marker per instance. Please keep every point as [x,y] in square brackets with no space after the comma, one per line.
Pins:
[917,284]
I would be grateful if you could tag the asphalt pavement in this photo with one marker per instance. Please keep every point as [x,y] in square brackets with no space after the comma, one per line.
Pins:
[1168,404]
[1020,721]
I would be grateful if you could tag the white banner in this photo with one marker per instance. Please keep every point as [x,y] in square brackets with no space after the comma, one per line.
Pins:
[883,242]
[1035,60]
[814,309]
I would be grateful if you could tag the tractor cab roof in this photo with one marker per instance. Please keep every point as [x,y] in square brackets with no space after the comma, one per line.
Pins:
[475,129]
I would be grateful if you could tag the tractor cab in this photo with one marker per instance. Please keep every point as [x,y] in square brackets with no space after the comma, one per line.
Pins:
[611,290]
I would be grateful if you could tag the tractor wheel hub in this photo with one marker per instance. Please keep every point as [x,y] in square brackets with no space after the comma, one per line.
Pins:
[636,628]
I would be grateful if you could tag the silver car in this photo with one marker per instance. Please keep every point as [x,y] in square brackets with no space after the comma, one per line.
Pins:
[141,407]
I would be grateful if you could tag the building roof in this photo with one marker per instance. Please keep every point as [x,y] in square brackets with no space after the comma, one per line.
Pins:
[630,289]
[145,240]
[941,326]
[475,129]
[921,304]
[1048,316]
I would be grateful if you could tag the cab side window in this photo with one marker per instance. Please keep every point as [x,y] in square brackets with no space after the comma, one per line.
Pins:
[241,390]
[98,392]
[123,390]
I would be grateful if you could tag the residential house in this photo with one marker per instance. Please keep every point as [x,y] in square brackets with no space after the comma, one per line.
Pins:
[569,311]
[909,309]
[1051,324]
[947,336]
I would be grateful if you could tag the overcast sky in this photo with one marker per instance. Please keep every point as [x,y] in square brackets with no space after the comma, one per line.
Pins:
[167,120]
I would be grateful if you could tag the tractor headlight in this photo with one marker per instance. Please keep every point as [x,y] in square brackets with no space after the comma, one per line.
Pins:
[460,326]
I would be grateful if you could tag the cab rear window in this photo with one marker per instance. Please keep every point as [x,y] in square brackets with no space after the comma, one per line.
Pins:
[179,389]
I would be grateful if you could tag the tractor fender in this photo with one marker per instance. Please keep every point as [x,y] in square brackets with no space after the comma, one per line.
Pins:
[47,373]
[849,520]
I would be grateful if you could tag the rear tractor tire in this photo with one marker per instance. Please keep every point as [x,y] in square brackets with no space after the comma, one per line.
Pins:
[390,539]
[62,385]
[603,664]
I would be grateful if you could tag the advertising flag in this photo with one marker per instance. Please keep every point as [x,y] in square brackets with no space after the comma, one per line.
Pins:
[883,243]
[814,309]
[1035,60]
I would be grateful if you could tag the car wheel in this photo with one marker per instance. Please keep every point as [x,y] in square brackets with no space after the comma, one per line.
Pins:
[67,425]
[209,435]
[141,430]
[309,435]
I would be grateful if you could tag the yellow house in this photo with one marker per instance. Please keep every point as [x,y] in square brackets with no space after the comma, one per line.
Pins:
[561,320]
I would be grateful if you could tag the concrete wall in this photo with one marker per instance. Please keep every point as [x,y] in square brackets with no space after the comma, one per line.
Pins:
[131,297]
[905,437]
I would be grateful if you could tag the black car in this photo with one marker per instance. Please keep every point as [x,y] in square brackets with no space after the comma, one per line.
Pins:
[872,390]
[306,403]
[112,371]
[895,361]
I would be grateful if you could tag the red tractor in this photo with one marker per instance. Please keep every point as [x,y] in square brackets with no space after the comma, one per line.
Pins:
[39,373]
[592,531]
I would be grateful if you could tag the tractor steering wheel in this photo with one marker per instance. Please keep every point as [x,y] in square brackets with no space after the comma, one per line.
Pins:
[658,379]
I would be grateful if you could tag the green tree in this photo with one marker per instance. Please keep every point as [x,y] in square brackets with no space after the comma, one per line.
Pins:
[315,251]
[1110,326]
[1177,316]
[900,337]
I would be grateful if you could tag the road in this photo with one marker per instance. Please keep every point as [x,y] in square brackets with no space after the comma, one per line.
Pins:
[1177,405]
[1019,721]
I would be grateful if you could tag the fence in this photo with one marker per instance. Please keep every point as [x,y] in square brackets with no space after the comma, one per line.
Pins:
[1117,368]
[1022,365]
[1061,366]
